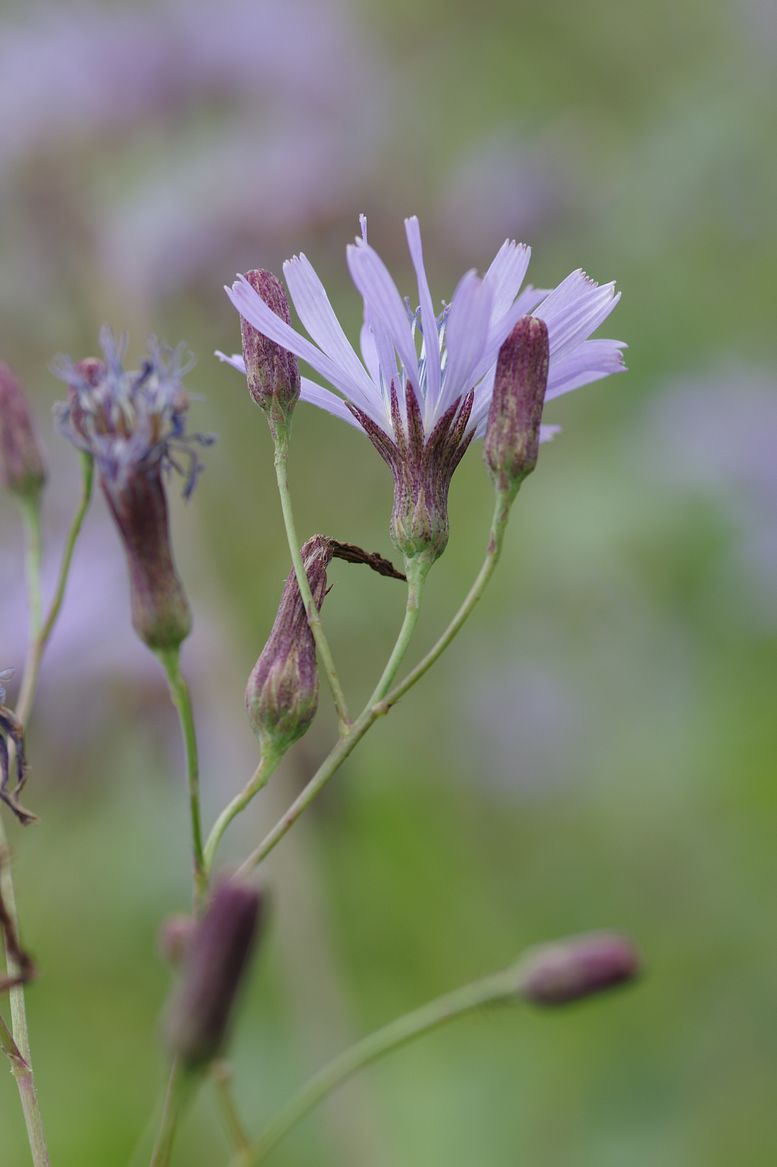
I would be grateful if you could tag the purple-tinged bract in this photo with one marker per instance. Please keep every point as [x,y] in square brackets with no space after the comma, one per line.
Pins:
[512,442]
[21,463]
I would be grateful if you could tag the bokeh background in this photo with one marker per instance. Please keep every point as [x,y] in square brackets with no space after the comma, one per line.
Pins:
[598,749]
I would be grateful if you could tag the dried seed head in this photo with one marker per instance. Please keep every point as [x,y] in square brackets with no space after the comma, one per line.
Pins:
[282,691]
[272,372]
[575,968]
[21,462]
[214,967]
[513,432]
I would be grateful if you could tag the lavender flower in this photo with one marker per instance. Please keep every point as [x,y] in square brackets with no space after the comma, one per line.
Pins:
[422,387]
[133,424]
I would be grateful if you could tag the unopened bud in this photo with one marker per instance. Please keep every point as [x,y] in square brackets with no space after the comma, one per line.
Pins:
[272,372]
[175,937]
[513,432]
[21,462]
[160,610]
[282,691]
[575,968]
[214,968]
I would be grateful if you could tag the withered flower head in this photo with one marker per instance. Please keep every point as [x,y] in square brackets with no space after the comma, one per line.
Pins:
[513,431]
[577,967]
[21,462]
[133,423]
[216,961]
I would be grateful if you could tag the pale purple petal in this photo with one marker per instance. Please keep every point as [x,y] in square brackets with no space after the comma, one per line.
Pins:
[501,329]
[432,370]
[384,303]
[466,335]
[589,361]
[317,315]
[236,361]
[506,274]
[330,402]
[575,309]
[548,432]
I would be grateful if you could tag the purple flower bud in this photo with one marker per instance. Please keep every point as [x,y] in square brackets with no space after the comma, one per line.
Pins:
[282,691]
[575,968]
[133,423]
[513,432]
[272,372]
[21,462]
[213,970]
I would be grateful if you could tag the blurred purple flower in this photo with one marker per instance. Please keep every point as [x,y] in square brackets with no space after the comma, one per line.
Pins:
[459,348]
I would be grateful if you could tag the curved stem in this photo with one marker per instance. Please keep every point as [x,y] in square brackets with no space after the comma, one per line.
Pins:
[221,1073]
[415,582]
[493,552]
[178,1091]
[23,1071]
[496,989]
[181,697]
[41,632]
[281,439]
[262,775]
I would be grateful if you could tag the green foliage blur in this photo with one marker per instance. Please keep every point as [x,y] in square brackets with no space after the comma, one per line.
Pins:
[597,748]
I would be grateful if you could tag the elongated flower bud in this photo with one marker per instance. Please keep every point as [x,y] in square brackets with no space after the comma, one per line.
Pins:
[513,432]
[214,968]
[21,462]
[272,372]
[282,691]
[575,968]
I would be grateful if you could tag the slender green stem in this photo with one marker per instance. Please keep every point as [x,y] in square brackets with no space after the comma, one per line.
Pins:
[178,1092]
[262,775]
[181,697]
[281,439]
[41,630]
[221,1073]
[493,552]
[492,990]
[22,1065]
[415,578]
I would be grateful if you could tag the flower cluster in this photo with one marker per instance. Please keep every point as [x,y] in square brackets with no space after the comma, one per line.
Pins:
[423,385]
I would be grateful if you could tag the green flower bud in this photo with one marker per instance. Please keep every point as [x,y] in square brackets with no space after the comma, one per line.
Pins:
[21,462]
[513,431]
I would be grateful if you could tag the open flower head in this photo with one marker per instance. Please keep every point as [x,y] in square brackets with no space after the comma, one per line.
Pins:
[422,383]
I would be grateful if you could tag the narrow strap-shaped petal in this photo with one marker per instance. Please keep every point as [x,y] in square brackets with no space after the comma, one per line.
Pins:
[235,360]
[380,295]
[575,309]
[324,399]
[316,313]
[505,276]
[501,329]
[428,318]
[467,332]
[588,361]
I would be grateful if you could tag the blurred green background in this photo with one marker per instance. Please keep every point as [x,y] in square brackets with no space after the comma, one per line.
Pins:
[597,749]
